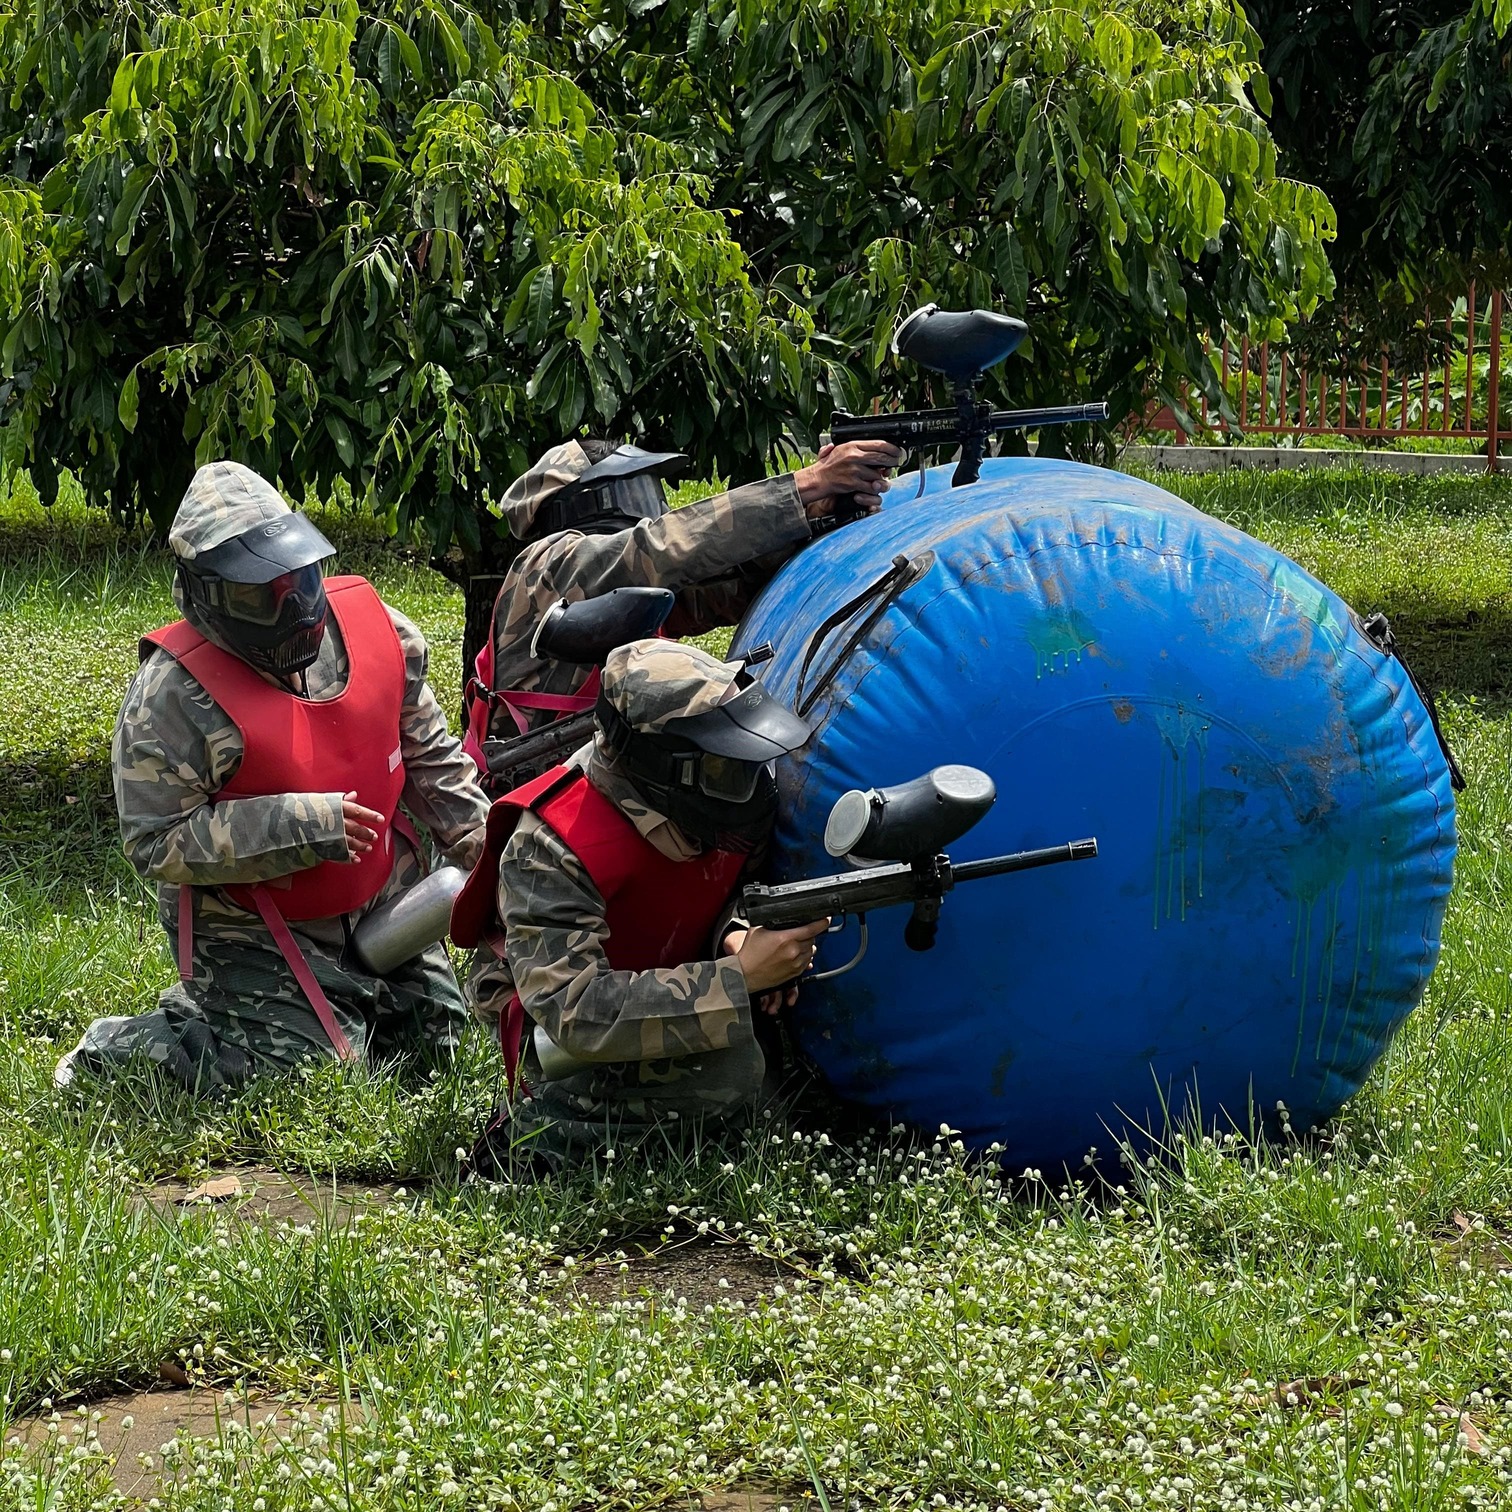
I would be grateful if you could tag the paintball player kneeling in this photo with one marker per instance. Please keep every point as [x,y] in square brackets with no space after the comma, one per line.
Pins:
[260,760]
[604,891]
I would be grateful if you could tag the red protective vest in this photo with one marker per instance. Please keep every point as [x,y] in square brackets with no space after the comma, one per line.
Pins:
[659,911]
[345,744]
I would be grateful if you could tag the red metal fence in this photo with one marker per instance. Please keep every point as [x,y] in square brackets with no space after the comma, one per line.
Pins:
[1274,391]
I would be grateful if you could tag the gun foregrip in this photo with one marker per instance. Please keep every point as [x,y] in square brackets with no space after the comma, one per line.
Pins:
[923,925]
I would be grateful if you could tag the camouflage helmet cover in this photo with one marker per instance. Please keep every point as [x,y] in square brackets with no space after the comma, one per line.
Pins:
[556,468]
[676,692]
[249,575]
[650,683]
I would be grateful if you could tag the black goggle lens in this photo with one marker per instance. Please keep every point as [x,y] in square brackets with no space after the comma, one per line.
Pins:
[292,594]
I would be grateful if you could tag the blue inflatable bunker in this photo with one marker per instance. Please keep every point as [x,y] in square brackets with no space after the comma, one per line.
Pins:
[1273,810]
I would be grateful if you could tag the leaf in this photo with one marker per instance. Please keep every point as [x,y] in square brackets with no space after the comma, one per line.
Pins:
[127,404]
[341,434]
[1465,1428]
[129,207]
[390,63]
[1012,276]
[215,1189]
[539,304]
[1114,43]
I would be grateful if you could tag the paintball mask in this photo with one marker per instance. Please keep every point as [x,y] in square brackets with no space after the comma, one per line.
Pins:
[618,491]
[262,595]
[711,774]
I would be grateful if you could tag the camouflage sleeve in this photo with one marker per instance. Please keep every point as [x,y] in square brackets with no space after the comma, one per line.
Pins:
[723,601]
[172,750]
[441,783]
[554,931]
[713,538]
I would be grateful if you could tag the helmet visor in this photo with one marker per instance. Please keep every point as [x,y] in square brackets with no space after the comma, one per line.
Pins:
[640,497]
[727,780]
[292,596]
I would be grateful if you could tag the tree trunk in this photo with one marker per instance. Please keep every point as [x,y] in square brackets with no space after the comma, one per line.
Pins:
[477,624]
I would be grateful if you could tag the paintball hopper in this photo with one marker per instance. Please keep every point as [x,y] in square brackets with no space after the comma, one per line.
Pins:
[400,929]
[554,1061]
[912,820]
[586,632]
[961,344]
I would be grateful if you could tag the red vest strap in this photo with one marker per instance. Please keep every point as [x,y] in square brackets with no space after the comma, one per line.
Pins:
[288,948]
[557,703]
[511,1041]
[186,933]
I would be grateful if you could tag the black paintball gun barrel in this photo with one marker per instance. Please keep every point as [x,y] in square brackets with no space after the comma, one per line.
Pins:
[905,829]
[942,427]
[786,905]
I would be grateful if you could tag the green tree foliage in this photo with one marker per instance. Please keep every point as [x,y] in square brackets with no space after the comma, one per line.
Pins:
[1101,167]
[1402,111]
[407,245]
[386,244]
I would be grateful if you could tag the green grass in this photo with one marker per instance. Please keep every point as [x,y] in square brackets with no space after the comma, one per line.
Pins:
[945,1339]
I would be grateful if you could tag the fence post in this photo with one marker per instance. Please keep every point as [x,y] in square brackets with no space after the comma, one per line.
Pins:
[1493,387]
[1470,357]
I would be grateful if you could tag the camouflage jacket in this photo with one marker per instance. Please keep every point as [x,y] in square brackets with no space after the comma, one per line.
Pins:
[174,749]
[716,554]
[554,931]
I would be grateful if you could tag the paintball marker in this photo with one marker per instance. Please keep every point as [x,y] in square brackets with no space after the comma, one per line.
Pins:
[583,633]
[902,832]
[961,346]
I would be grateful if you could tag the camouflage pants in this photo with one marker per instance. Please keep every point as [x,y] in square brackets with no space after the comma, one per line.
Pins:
[618,1105]
[243,1015]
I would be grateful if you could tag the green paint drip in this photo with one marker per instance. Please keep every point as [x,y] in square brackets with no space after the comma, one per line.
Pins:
[1160,799]
[1180,729]
[1312,600]
[1058,636]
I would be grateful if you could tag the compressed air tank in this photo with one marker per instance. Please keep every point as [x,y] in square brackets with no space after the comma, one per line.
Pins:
[1271,803]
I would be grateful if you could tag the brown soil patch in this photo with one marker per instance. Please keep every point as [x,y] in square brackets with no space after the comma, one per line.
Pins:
[1485,1246]
[133,1429]
[746,1499]
[696,1273]
[272,1197]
